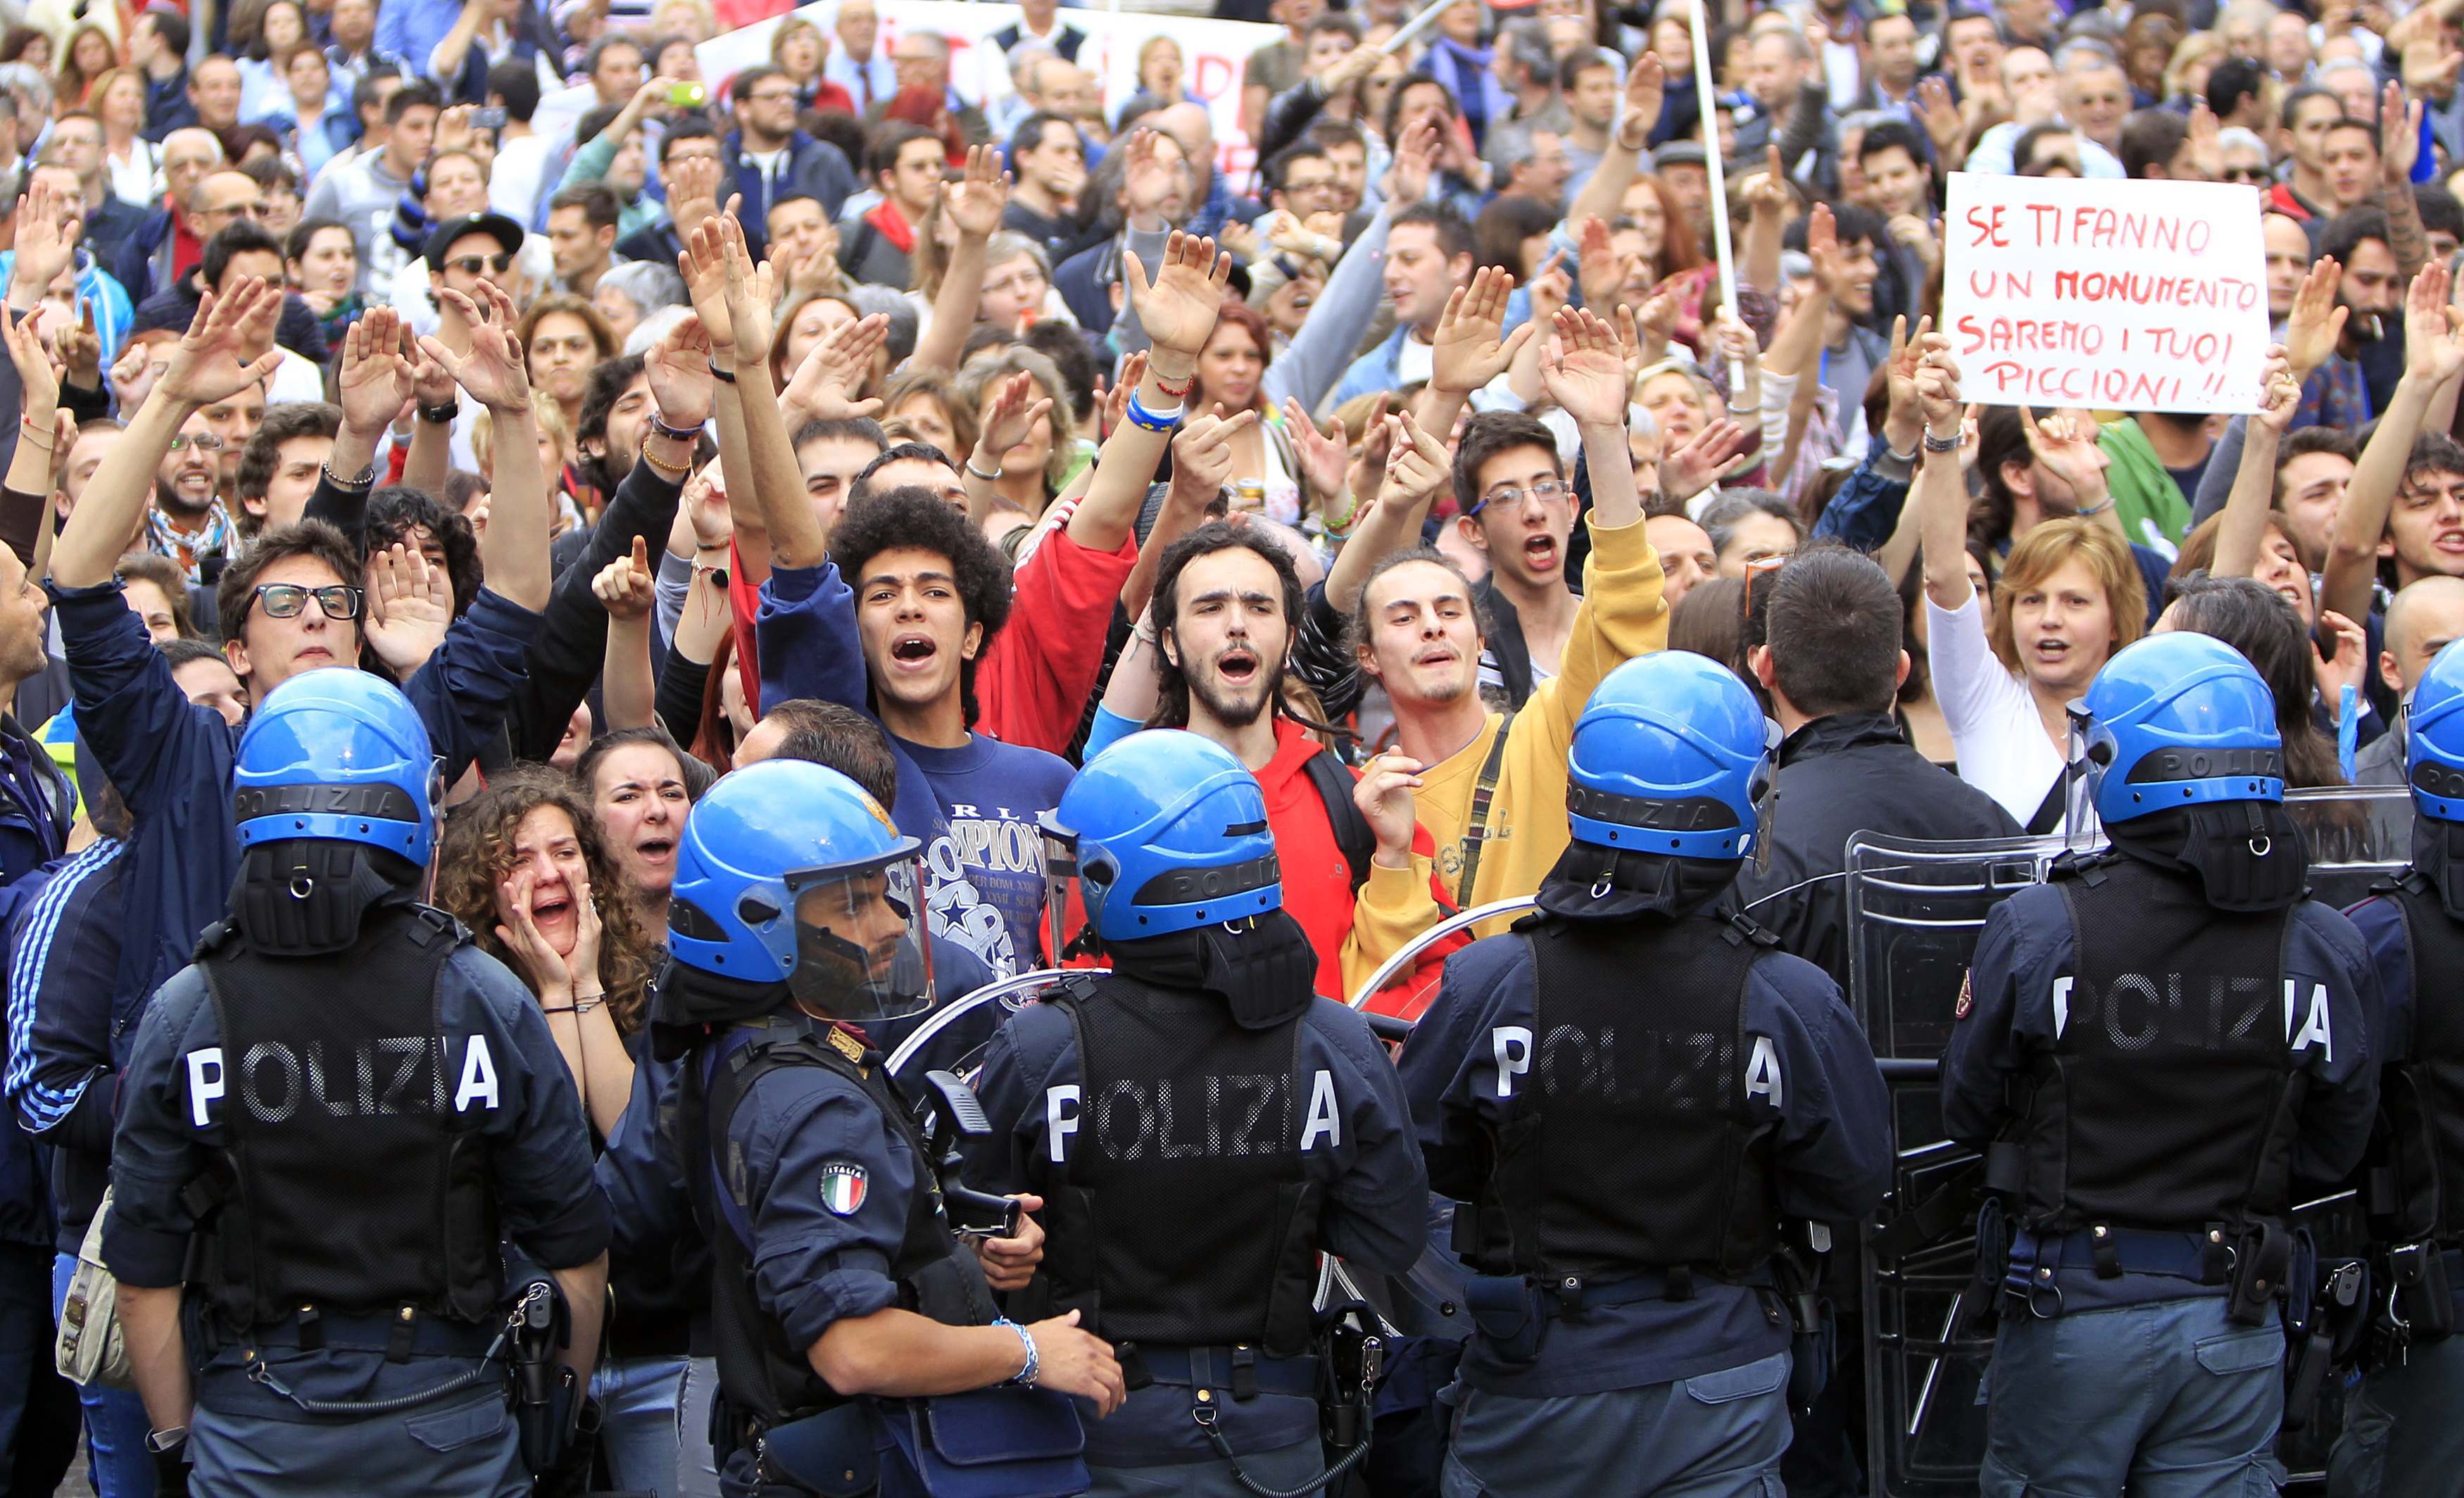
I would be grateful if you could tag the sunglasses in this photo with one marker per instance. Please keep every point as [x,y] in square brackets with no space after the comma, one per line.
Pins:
[285,600]
[472,264]
[2249,174]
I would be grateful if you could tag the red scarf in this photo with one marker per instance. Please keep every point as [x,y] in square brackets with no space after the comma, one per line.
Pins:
[893,225]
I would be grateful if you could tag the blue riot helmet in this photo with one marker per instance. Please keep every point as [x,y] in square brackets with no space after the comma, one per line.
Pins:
[2178,719]
[337,755]
[1669,757]
[2433,748]
[788,873]
[1166,832]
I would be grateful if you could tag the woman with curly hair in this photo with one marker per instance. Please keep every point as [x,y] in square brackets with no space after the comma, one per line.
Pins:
[525,867]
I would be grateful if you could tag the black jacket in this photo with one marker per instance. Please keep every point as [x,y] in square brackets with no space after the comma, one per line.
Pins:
[1839,776]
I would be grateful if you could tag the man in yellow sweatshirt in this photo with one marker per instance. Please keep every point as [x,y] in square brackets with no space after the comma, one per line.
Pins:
[1490,791]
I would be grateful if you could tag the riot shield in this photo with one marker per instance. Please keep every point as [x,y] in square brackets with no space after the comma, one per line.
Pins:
[952,1036]
[2358,835]
[1914,913]
[1461,920]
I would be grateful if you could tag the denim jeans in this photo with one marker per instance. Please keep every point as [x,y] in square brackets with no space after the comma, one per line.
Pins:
[2169,1399]
[637,1431]
[696,1468]
[116,1428]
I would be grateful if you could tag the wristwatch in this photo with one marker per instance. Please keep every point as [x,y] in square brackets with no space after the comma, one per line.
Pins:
[441,415]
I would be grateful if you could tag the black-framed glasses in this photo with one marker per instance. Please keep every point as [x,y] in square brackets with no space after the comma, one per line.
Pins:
[1546,489]
[285,600]
[474,264]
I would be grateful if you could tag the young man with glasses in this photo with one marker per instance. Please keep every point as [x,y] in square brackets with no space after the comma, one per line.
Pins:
[1518,510]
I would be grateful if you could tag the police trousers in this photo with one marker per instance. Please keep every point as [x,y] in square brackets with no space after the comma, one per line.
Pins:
[1283,1469]
[2169,1399]
[1716,1435]
[2403,1429]
[464,1444]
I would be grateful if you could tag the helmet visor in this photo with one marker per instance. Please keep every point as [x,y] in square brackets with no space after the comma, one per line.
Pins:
[862,950]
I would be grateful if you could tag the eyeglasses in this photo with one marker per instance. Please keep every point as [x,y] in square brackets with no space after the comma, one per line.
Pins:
[285,600]
[1545,490]
[203,442]
[2249,174]
[472,264]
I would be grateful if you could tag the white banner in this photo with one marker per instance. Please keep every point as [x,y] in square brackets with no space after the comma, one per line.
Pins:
[1213,54]
[2111,295]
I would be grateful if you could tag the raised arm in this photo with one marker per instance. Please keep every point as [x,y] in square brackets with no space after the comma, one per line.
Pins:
[627,690]
[1941,487]
[2243,531]
[1179,309]
[1639,111]
[2432,354]
[514,550]
[1584,371]
[975,205]
[2399,147]
[30,463]
[205,369]
[1412,470]
[1468,350]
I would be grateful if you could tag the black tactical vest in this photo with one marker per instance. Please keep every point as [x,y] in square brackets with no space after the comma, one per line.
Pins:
[2169,1097]
[1184,1215]
[2421,1100]
[762,1376]
[357,1180]
[1640,1131]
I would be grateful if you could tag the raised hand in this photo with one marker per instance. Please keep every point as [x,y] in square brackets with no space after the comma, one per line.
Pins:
[1467,349]
[2399,136]
[1550,288]
[35,371]
[1017,405]
[2279,394]
[133,374]
[701,260]
[976,201]
[1736,341]
[1584,369]
[1695,463]
[80,348]
[1416,465]
[2352,658]
[211,362]
[625,586]
[1179,308]
[1822,248]
[1147,181]
[1646,84]
[1384,797]
[1416,160]
[493,370]
[1368,470]
[823,387]
[706,510]
[2065,443]
[1941,117]
[1201,453]
[410,605]
[2316,322]
[1937,384]
[376,377]
[2430,350]
[1324,455]
[49,225]
[1767,191]
[679,368]
[1899,370]
[1116,400]
[752,295]
[1600,272]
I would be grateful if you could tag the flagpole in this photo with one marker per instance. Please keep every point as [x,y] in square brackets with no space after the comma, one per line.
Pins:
[1712,163]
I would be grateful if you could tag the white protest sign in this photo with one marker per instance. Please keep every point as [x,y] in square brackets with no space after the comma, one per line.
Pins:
[2111,295]
[1212,53]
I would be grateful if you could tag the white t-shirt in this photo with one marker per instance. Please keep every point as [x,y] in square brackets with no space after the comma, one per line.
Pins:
[1991,714]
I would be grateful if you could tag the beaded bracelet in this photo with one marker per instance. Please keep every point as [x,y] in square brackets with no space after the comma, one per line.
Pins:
[1034,1359]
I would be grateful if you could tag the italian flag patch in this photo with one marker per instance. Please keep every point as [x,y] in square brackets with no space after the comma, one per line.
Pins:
[843,1187]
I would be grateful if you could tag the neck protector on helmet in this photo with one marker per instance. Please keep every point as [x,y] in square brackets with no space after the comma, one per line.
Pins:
[306,896]
[2249,854]
[1595,883]
[686,999]
[1266,972]
[2438,856]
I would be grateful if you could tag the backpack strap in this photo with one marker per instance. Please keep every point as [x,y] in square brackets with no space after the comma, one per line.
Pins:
[1476,830]
[1334,787]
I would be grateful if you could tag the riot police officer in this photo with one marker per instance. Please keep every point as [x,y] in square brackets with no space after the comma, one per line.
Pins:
[1628,1093]
[1199,1126]
[331,1114]
[2401,1432]
[2151,1047]
[836,1274]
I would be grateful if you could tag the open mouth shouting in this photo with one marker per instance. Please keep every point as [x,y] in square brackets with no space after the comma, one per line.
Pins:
[1237,667]
[914,652]
[1540,553]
